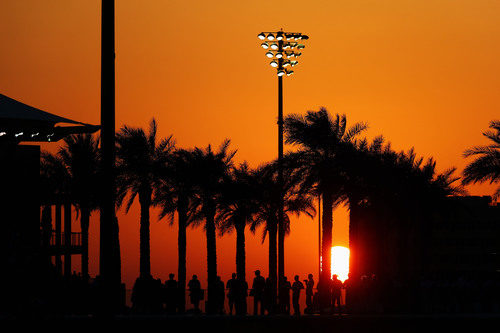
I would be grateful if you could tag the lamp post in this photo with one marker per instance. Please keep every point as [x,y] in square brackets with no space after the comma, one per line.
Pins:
[109,264]
[283,48]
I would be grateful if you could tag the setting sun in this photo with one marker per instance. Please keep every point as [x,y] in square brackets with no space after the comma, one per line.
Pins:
[340,262]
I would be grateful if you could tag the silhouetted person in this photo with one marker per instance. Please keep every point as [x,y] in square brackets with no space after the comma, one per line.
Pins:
[336,293]
[309,293]
[269,296]
[350,286]
[232,292]
[284,295]
[139,297]
[171,294]
[220,295]
[241,296]
[297,286]
[195,293]
[258,286]
[324,295]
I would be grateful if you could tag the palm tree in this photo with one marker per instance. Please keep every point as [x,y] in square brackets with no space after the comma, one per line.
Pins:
[238,205]
[295,201]
[486,166]
[392,198]
[140,159]
[325,143]
[80,155]
[211,171]
[175,193]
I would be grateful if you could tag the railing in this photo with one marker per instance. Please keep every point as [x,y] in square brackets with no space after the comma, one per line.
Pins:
[75,239]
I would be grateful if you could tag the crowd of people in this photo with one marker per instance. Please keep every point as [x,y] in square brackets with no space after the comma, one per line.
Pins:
[151,296]
[366,294]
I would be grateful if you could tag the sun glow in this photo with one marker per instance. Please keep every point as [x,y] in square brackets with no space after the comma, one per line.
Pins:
[340,262]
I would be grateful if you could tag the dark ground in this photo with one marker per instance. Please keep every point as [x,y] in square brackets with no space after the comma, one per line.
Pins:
[275,324]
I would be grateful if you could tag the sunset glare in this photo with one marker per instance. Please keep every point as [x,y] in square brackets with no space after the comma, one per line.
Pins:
[340,262]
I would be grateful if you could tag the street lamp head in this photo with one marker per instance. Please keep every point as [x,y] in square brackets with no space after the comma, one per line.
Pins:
[294,63]
[305,37]
[288,73]
[270,36]
[274,63]
[261,36]
[274,46]
[264,45]
[269,54]
[301,46]
[279,35]
[279,55]
[281,72]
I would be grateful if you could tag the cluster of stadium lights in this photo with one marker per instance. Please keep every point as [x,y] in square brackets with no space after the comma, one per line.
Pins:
[284,49]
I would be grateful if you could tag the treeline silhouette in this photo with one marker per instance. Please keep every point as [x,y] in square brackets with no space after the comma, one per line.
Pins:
[392,197]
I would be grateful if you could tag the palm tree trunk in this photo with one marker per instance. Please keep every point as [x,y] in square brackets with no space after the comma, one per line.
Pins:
[273,254]
[46,224]
[326,247]
[281,250]
[145,252]
[354,216]
[67,240]
[84,222]
[211,260]
[326,250]
[240,251]
[58,260]
[181,244]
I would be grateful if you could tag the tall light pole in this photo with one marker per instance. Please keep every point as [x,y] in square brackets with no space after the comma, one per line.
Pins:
[109,263]
[283,50]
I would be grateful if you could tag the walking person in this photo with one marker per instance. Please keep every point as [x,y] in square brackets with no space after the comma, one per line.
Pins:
[296,288]
[258,292]
[171,294]
[336,293]
[241,293]
[195,293]
[232,293]
[220,298]
[284,295]
[309,293]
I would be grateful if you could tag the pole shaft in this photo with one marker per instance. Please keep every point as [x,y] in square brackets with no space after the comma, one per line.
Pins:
[281,227]
[109,268]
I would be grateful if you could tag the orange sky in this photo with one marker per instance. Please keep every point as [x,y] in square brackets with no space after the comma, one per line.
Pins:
[423,73]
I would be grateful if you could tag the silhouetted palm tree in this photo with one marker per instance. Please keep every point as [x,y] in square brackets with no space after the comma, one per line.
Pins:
[140,160]
[237,207]
[80,154]
[392,197]
[486,166]
[295,201]
[175,193]
[212,170]
[324,142]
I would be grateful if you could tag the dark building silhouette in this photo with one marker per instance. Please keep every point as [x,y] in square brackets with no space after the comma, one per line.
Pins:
[23,250]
